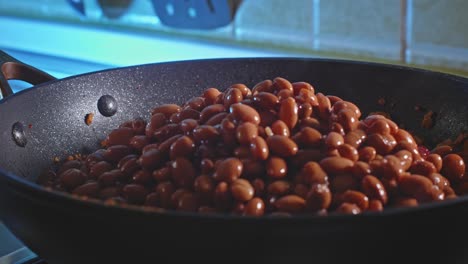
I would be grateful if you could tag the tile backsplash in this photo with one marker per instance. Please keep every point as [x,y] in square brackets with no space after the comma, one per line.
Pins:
[425,33]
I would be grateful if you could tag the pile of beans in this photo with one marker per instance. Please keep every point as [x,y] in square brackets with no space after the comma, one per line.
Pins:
[277,148]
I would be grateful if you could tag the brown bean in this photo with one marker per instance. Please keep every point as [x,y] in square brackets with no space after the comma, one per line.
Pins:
[367,153]
[183,172]
[259,148]
[242,152]
[281,146]
[242,190]
[341,105]
[436,160]
[306,96]
[206,210]
[135,193]
[312,123]
[374,188]
[405,202]
[182,147]
[175,197]
[338,128]
[210,111]
[204,185]
[263,86]
[383,144]
[279,188]
[166,109]
[99,168]
[453,167]
[406,158]
[349,152]
[72,178]
[403,136]
[188,125]
[266,100]
[120,136]
[139,142]
[210,95]
[288,112]
[115,153]
[324,106]
[336,165]
[164,191]
[243,88]
[375,206]
[246,132]
[282,84]
[205,133]
[280,128]
[151,159]
[167,132]
[439,181]
[416,186]
[157,121]
[276,167]
[357,198]
[228,170]
[423,167]
[305,110]
[290,203]
[442,150]
[216,119]
[333,140]
[109,192]
[355,137]
[110,178]
[188,202]
[318,198]
[142,177]
[297,86]
[312,173]
[308,137]
[187,114]
[91,159]
[130,166]
[165,146]
[222,198]
[348,208]
[255,207]
[90,189]
[206,166]
[283,94]
[361,169]
[196,103]
[244,113]
[161,175]
[380,126]
[343,182]
[392,167]
[347,118]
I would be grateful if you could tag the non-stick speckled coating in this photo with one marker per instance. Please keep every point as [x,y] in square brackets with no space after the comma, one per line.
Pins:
[72,232]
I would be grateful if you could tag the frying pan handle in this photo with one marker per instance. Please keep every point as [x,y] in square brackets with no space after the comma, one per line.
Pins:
[12,68]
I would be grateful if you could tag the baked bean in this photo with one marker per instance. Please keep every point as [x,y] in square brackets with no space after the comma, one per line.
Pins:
[281,146]
[374,188]
[204,185]
[312,123]
[442,150]
[187,114]
[210,95]
[312,173]
[222,198]
[242,190]
[130,166]
[135,193]
[175,197]
[72,178]
[276,167]
[259,148]
[151,159]
[266,100]
[318,198]
[120,136]
[304,110]
[347,118]
[164,191]
[453,167]
[439,181]
[196,103]
[338,128]
[283,94]
[300,190]
[436,160]
[157,121]
[288,112]
[109,192]
[416,186]
[182,147]
[228,170]
[90,160]
[166,109]
[259,187]
[188,125]
[206,166]
[308,137]
[246,132]
[205,133]
[392,168]
[255,207]
[361,169]
[99,168]
[206,210]
[280,128]
[263,86]
[167,132]
[341,105]
[142,177]
[349,152]
[165,146]
[245,113]
[243,88]
[290,203]
[348,208]
[182,172]
[343,182]
[117,152]
[403,135]
[280,83]
[139,142]
[336,165]
[242,152]
[355,137]
[375,206]
[324,106]
[333,140]
[305,155]
[161,175]
[110,178]
[279,188]
[423,167]
[210,111]
[216,119]
[188,202]
[383,144]
[405,202]
[90,189]
[232,96]
[298,86]
[379,127]
[406,159]
[357,198]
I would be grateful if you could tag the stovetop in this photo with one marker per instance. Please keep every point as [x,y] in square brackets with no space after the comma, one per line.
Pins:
[64,50]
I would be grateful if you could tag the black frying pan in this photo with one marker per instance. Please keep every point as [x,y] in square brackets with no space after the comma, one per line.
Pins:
[63,229]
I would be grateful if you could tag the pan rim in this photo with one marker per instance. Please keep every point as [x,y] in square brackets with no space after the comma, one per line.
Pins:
[33,189]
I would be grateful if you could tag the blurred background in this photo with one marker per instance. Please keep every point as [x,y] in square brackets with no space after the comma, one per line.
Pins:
[69,37]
